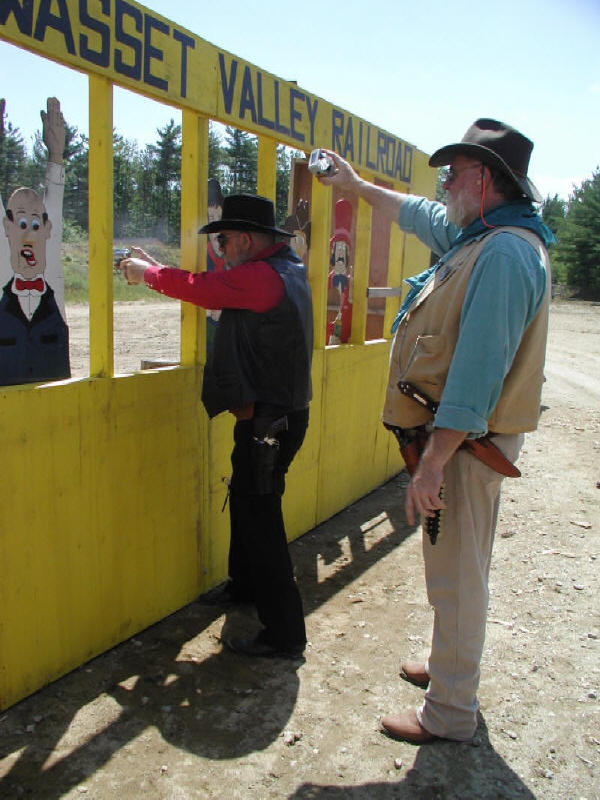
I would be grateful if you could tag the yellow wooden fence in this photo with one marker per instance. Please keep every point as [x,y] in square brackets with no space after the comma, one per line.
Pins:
[112,487]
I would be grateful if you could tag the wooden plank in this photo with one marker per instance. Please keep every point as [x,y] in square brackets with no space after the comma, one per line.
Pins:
[100,179]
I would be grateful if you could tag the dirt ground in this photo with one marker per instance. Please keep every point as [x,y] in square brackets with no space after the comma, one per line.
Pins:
[168,715]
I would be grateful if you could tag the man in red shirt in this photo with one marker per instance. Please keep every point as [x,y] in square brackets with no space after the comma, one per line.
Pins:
[259,370]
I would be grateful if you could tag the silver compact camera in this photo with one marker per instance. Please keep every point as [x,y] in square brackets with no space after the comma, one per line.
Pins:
[320,164]
[119,253]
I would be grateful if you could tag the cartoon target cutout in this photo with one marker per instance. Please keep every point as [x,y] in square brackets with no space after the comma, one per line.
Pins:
[34,337]
[341,274]
[298,224]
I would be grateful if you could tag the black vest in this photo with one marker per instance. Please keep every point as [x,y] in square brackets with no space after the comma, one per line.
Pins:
[36,349]
[266,357]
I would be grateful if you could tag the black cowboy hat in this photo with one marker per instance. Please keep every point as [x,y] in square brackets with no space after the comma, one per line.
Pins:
[245,212]
[497,145]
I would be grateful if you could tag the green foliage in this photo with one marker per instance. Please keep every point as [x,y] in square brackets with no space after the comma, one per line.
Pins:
[285,156]
[166,166]
[12,156]
[240,157]
[440,192]
[215,154]
[75,203]
[72,233]
[578,248]
[553,211]
[75,262]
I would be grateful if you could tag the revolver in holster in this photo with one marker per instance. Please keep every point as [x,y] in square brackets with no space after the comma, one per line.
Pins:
[411,442]
[265,452]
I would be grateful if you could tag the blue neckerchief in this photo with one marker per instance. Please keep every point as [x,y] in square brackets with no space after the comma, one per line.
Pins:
[519,213]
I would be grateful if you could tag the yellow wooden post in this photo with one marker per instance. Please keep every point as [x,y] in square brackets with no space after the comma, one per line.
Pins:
[267,167]
[394,277]
[194,192]
[194,180]
[362,261]
[320,231]
[100,180]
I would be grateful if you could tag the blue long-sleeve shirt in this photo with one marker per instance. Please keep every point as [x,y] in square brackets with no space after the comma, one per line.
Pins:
[504,292]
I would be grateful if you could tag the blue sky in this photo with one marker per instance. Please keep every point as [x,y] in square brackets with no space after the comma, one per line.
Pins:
[422,70]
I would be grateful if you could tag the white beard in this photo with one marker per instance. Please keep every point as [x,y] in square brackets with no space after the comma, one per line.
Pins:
[459,211]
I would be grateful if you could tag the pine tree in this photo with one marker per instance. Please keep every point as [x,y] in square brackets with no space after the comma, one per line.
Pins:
[553,212]
[141,211]
[579,239]
[12,155]
[215,153]
[285,156]
[166,155]
[124,185]
[241,161]
[75,203]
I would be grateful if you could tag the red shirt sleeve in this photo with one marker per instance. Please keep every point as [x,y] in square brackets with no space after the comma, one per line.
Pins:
[254,286]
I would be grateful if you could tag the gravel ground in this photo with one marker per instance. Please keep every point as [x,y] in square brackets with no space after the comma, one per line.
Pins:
[169,714]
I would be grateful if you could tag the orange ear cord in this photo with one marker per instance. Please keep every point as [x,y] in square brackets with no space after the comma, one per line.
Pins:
[487,225]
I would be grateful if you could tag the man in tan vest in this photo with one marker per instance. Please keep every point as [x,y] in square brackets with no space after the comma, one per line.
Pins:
[471,337]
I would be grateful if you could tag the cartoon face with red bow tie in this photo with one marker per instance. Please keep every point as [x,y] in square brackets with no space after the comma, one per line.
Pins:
[34,336]
[27,228]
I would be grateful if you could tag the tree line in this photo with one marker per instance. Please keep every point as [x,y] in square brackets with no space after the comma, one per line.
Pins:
[576,224]
[147,190]
[146,179]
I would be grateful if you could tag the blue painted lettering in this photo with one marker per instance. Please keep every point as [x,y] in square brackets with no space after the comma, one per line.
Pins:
[186,42]
[123,9]
[262,120]
[403,163]
[380,151]
[23,14]
[370,164]
[247,96]
[398,163]
[278,126]
[150,52]
[360,150]
[312,115]
[227,86]
[408,154]
[337,129]
[99,57]
[60,23]
[295,114]
[349,141]
[390,152]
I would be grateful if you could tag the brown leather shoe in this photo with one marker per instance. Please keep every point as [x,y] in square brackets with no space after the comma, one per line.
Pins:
[414,672]
[407,727]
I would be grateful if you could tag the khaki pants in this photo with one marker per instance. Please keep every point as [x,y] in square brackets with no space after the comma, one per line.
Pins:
[456,574]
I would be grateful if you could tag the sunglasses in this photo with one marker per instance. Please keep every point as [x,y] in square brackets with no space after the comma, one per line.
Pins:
[223,238]
[453,173]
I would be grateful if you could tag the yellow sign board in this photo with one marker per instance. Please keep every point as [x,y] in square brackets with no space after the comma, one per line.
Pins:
[141,50]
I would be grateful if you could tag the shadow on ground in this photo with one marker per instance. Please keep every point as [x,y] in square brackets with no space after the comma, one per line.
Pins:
[211,703]
[441,771]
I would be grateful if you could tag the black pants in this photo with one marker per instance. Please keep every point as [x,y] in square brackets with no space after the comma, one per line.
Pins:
[259,560]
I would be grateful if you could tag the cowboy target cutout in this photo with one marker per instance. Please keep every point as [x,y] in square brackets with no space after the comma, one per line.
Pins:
[34,337]
[341,273]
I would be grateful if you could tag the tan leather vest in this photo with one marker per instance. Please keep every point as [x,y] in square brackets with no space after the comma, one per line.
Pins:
[425,340]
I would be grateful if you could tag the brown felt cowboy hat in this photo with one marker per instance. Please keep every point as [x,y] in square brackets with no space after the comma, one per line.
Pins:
[497,145]
[246,212]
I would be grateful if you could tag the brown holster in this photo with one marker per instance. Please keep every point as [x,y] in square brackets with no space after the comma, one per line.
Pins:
[482,448]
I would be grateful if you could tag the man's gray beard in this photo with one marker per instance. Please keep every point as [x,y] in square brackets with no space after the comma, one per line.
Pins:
[455,210]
